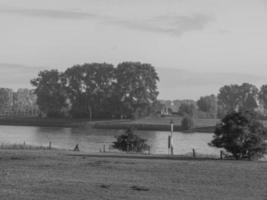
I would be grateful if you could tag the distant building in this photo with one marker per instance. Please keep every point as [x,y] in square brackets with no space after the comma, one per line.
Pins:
[169,107]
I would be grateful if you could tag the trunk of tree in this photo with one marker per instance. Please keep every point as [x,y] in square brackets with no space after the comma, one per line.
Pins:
[90,112]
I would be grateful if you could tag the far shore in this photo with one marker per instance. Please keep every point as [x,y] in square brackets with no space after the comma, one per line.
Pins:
[147,124]
[43,122]
[152,127]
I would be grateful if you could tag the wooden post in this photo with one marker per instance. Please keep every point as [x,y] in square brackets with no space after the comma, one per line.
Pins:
[171,139]
[90,113]
[194,153]
[221,154]
[50,145]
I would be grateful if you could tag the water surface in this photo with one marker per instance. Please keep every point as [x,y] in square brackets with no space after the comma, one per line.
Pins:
[92,140]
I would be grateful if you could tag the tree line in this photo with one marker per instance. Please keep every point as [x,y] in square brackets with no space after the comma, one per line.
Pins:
[21,102]
[234,97]
[98,90]
[243,97]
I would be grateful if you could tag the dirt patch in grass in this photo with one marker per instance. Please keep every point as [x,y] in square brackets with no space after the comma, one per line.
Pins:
[98,163]
[105,186]
[139,188]
[125,163]
[17,158]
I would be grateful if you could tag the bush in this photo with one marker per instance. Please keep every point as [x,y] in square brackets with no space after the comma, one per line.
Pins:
[130,142]
[241,135]
[187,123]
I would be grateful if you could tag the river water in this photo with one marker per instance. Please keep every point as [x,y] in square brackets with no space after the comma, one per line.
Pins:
[92,140]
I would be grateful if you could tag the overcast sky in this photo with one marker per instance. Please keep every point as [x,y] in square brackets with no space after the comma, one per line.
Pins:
[196,45]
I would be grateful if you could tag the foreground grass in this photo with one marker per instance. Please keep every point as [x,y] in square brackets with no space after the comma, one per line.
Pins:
[43,175]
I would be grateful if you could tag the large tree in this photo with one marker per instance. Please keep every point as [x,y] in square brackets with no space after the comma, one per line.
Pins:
[263,96]
[242,135]
[238,97]
[136,88]
[188,109]
[90,89]
[208,104]
[98,90]
[51,96]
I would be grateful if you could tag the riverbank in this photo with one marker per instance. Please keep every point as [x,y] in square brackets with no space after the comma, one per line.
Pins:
[42,175]
[44,122]
[158,124]
[148,123]
[151,127]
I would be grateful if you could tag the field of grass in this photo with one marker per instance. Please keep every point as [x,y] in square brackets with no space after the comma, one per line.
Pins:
[42,175]
[176,120]
[158,123]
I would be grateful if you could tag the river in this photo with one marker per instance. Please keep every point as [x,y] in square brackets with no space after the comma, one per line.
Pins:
[92,140]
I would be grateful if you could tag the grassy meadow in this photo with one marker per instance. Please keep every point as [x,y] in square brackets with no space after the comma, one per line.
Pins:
[42,175]
[157,123]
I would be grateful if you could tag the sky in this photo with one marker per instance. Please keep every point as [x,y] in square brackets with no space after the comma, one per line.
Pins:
[196,46]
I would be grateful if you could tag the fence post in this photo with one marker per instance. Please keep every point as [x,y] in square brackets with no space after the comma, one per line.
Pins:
[221,154]
[50,145]
[194,153]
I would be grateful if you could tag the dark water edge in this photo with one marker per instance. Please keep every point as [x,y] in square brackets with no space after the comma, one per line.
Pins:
[112,124]
[152,127]
[64,123]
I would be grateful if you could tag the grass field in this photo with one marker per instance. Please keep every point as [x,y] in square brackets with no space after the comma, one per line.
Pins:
[42,175]
[158,123]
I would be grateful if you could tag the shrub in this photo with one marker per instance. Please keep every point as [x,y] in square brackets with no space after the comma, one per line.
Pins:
[187,123]
[241,135]
[130,142]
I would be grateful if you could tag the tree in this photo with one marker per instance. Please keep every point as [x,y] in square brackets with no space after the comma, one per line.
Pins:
[51,95]
[238,97]
[130,142]
[98,90]
[187,123]
[263,96]
[5,99]
[24,102]
[187,109]
[240,134]
[207,104]
[90,88]
[136,88]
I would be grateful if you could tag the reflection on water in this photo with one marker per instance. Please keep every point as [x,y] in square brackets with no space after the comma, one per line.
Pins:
[91,140]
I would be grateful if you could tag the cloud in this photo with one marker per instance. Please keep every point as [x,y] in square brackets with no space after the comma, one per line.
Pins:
[170,24]
[48,13]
